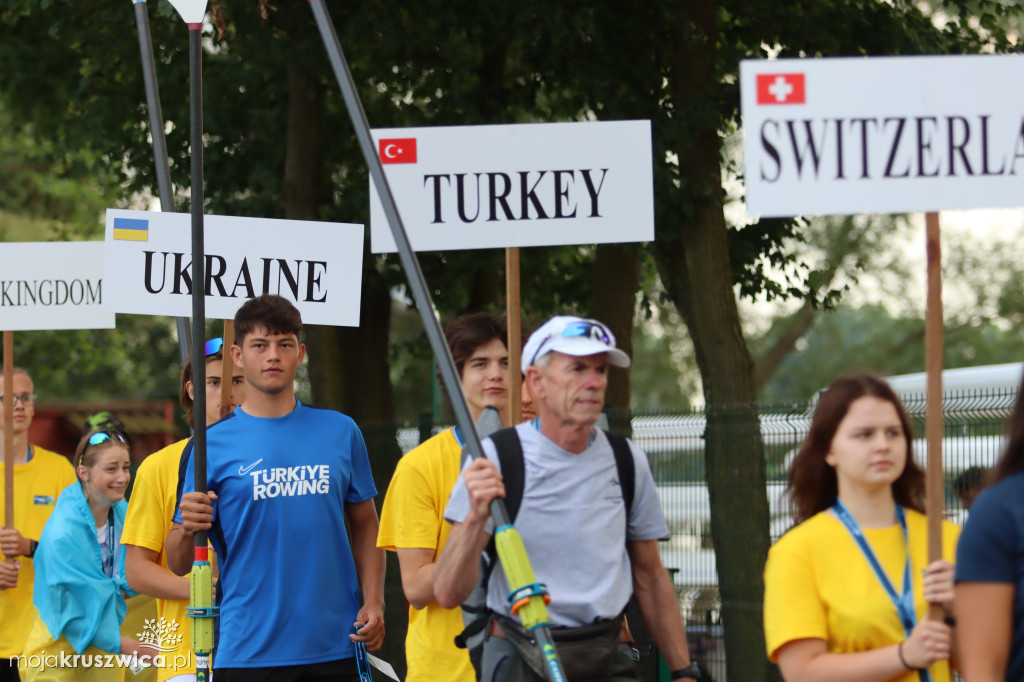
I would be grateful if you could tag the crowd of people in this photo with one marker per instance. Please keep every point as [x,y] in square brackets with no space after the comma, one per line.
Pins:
[289,512]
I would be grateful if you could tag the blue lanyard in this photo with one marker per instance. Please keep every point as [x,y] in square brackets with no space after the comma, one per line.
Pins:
[362,665]
[904,602]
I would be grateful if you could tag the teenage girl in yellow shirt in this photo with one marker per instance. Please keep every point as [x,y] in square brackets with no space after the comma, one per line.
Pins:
[847,589]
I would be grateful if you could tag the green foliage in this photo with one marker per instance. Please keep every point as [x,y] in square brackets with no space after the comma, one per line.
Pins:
[870,339]
[139,359]
[62,191]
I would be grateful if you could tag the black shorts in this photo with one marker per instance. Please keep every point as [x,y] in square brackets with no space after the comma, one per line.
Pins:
[342,670]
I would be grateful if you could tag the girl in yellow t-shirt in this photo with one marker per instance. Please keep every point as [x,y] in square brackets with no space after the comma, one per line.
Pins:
[844,593]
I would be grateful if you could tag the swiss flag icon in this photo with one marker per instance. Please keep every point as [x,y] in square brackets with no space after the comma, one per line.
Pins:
[781,88]
[397,150]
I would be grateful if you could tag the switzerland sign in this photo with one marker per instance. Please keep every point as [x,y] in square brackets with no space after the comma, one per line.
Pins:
[536,184]
[882,134]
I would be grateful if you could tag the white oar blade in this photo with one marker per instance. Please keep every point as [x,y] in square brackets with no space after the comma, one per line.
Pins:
[192,11]
[489,422]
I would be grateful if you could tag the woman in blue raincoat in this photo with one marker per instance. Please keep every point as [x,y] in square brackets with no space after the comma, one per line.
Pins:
[80,588]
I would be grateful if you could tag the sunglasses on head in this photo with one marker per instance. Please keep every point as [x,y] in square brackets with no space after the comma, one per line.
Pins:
[99,438]
[584,328]
[213,346]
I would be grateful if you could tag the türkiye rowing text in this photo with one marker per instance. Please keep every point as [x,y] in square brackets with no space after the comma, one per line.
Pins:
[525,195]
[300,278]
[50,292]
[912,146]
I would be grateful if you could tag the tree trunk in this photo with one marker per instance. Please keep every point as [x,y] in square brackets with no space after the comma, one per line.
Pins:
[348,367]
[693,260]
[616,277]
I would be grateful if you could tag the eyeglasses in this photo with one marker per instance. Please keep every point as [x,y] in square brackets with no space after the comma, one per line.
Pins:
[586,328]
[24,399]
[99,438]
[213,346]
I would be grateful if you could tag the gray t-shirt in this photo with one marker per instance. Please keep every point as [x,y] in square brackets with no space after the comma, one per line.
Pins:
[573,523]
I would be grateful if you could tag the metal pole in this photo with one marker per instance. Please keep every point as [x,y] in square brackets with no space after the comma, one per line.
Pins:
[156,125]
[200,579]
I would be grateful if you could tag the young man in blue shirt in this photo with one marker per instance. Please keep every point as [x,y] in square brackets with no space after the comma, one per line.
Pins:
[282,478]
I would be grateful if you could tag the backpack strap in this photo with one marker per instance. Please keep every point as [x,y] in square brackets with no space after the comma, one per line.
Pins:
[626,466]
[513,473]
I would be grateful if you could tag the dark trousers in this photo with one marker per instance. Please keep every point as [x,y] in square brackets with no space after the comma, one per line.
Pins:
[8,671]
[343,670]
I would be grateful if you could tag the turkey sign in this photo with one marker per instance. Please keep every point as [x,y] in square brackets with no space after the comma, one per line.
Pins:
[498,186]
[882,134]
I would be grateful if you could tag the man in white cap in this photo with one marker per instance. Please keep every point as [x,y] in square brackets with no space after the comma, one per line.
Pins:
[583,542]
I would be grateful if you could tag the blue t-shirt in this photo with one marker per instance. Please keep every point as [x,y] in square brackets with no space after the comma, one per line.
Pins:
[288,587]
[991,550]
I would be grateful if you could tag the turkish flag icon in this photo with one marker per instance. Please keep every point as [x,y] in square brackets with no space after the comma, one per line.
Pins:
[781,88]
[397,150]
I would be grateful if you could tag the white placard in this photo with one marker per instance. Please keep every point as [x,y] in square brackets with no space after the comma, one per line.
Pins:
[52,285]
[497,186]
[316,265]
[882,134]
[192,11]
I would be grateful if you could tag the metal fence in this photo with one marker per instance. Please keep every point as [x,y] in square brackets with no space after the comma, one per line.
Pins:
[674,443]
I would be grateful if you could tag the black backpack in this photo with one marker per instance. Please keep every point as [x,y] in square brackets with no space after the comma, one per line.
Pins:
[475,615]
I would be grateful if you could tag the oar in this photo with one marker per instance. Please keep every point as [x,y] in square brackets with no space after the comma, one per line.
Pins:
[201,608]
[156,129]
[511,551]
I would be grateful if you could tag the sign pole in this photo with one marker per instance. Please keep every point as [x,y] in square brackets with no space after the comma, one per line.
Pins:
[933,346]
[227,374]
[513,315]
[9,430]
[156,129]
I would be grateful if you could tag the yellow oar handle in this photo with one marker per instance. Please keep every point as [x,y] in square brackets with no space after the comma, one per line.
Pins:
[529,598]
[201,609]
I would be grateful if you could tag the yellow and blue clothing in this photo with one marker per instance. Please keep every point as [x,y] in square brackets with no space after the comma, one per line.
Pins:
[992,551]
[37,485]
[79,607]
[288,589]
[412,517]
[819,585]
[147,523]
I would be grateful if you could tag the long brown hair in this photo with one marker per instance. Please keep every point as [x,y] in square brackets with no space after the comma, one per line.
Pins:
[813,486]
[1012,460]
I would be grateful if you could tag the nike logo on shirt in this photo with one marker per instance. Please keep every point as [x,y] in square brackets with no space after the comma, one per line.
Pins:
[242,471]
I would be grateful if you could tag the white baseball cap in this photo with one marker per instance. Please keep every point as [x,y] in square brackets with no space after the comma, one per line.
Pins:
[573,336]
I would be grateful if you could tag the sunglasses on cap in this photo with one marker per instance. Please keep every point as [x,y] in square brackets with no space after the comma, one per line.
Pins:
[580,328]
[99,438]
[213,346]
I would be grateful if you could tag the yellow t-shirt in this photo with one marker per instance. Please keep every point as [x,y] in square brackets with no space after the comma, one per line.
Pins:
[413,517]
[53,660]
[37,485]
[150,511]
[818,585]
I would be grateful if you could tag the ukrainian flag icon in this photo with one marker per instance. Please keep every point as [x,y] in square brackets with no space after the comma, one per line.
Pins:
[131,229]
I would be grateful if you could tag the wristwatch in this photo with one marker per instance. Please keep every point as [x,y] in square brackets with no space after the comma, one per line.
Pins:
[692,670]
